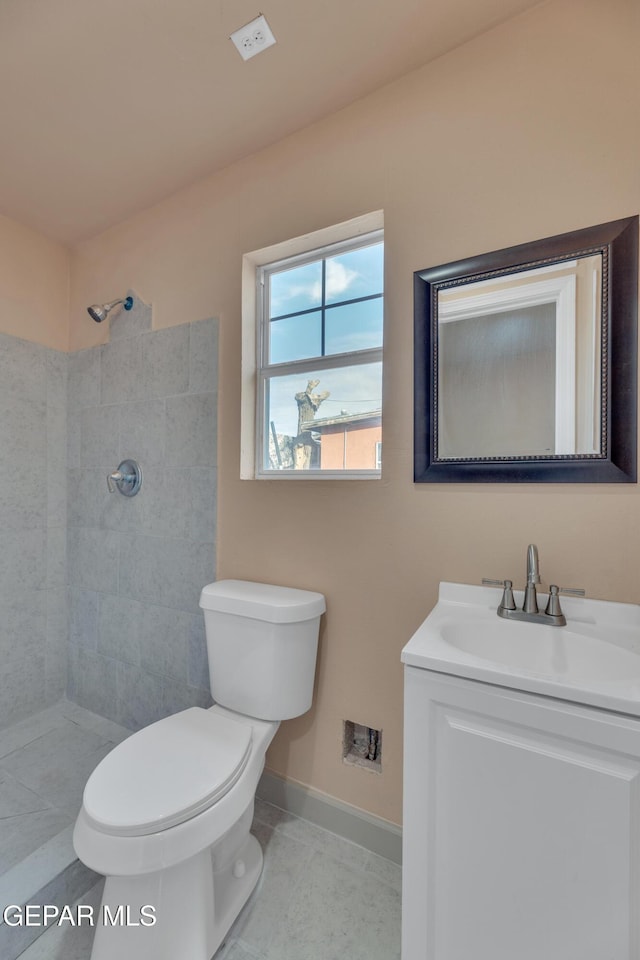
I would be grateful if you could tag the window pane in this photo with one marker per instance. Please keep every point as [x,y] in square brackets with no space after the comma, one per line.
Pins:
[358,273]
[295,338]
[355,326]
[296,289]
[343,430]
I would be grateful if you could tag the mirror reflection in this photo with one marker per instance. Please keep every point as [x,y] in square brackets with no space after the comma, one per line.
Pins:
[525,362]
[519,363]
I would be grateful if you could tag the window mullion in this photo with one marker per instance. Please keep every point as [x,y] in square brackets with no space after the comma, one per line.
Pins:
[330,362]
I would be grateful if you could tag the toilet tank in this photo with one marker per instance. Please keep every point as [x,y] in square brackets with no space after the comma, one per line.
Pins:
[262,642]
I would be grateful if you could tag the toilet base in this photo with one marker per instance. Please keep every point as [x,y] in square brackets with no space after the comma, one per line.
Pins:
[194,904]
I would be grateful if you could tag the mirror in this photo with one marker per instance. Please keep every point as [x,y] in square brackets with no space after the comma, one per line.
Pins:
[526,360]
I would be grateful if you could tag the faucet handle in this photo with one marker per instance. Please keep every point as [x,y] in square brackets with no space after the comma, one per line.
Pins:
[507,602]
[553,604]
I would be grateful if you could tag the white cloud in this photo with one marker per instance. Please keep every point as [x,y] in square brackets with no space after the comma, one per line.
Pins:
[338,280]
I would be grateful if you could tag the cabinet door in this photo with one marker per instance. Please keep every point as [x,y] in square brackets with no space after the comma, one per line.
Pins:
[521,826]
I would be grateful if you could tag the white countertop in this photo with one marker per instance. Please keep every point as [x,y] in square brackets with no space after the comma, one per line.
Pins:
[593,660]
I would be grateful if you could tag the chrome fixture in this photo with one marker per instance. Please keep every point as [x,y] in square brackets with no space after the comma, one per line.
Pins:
[533,577]
[127,478]
[99,311]
[552,614]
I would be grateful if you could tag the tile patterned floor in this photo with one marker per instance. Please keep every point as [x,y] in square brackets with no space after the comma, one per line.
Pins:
[319,898]
[45,761]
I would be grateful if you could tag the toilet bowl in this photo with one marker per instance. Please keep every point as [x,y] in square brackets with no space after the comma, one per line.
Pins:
[166,815]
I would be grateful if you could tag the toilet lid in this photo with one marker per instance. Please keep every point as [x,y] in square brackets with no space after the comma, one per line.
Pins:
[167,773]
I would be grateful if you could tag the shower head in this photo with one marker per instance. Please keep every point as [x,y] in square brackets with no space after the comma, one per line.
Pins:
[99,311]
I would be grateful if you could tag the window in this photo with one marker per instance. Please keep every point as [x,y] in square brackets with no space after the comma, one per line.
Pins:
[319,361]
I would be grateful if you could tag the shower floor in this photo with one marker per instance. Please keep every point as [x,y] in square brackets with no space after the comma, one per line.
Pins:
[45,761]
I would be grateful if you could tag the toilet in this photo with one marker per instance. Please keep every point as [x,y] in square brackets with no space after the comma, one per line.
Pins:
[166,815]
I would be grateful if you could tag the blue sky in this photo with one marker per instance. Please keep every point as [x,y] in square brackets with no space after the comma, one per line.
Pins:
[356,326]
[357,273]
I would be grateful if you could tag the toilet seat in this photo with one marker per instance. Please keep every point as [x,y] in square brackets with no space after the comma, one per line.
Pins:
[167,773]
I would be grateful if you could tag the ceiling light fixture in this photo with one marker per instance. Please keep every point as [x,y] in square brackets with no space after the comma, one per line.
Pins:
[253,38]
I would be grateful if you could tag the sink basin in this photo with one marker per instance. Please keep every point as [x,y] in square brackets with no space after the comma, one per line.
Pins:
[594,660]
[544,650]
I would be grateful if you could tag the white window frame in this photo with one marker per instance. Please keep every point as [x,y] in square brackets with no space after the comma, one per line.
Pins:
[255,369]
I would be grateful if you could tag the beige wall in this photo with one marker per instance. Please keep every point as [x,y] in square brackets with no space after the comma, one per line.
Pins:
[34,286]
[528,131]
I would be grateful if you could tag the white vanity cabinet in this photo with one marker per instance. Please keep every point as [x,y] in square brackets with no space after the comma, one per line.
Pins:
[521,824]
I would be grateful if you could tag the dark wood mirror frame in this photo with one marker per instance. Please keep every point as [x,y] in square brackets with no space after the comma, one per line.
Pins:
[618,242]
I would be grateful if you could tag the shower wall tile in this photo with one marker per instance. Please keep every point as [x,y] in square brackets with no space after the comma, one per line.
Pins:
[178,696]
[56,448]
[92,681]
[164,571]
[84,378]
[140,696]
[22,628]
[56,602]
[73,437]
[203,357]
[57,632]
[119,628]
[164,641]
[99,437]
[81,491]
[166,510]
[93,559]
[191,441]
[56,557]
[22,654]
[198,664]
[83,618]
[22,562]
[115,512]
[204,488]
[121,371]
[23,496]
[141,431]
[165,362]
[22,369]
[23,432]
[136,566]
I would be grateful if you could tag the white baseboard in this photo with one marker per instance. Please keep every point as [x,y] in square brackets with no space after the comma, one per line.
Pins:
[378,835]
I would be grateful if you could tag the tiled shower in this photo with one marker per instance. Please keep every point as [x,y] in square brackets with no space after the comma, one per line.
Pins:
[136,565]
[98,592]
[33,514]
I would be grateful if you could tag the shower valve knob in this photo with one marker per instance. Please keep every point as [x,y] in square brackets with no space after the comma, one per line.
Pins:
[127,479]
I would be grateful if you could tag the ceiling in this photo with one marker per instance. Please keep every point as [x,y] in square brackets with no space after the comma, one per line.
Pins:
[108,106]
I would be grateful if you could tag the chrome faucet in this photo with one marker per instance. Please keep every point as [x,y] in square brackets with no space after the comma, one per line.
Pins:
[552,615]
[533,577]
